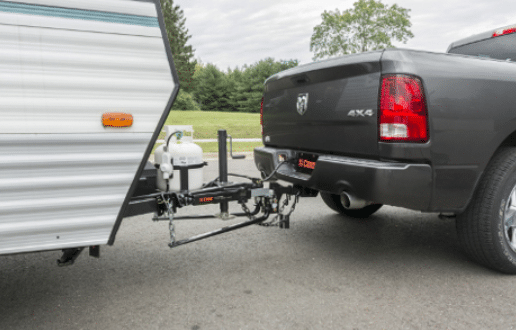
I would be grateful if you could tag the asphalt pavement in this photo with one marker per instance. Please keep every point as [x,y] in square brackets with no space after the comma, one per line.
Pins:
[399,269]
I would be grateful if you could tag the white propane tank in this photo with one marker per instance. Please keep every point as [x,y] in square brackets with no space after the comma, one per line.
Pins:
[183,154]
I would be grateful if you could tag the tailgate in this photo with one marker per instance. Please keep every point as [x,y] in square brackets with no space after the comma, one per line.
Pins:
[328,106]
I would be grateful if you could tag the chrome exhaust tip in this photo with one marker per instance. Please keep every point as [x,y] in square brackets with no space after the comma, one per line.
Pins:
[351,202]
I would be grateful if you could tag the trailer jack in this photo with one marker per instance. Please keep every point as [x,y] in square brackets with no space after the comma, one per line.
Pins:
[275,199]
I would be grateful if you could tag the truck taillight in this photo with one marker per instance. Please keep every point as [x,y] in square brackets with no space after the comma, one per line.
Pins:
[261,115]
[503,31]
[403,116]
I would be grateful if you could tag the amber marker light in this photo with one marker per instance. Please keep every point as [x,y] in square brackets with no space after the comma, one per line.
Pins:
[117,119]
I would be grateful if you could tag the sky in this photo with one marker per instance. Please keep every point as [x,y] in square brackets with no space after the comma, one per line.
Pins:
[231,33]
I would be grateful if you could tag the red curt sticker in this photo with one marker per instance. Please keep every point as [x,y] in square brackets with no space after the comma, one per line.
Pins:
[205,199]
[305,163]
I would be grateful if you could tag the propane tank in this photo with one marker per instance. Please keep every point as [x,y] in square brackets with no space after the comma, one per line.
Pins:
[180,156]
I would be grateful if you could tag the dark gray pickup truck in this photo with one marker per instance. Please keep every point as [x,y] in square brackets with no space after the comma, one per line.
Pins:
[434,132]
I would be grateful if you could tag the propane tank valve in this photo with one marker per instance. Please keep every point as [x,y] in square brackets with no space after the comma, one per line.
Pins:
[166,166]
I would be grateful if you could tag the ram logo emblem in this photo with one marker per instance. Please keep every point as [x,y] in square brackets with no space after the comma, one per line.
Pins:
[360,113]
[302,103]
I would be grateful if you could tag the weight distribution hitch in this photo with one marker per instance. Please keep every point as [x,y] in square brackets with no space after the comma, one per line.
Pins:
[267,200]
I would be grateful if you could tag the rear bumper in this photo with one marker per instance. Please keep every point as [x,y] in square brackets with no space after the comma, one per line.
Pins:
[398,184]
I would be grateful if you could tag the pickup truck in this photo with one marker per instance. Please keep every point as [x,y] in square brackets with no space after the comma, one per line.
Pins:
[434,132]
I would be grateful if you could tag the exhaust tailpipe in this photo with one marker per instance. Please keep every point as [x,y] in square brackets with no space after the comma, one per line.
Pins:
[351,202]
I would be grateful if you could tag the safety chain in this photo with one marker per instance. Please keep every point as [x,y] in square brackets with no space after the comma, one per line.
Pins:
[281,218]
[171,226]
[296,200]
[247,211]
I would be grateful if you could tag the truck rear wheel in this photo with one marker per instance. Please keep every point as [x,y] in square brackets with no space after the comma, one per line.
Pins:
[334,203]
[487,229]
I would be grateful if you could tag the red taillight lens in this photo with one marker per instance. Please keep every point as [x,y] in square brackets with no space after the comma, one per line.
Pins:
[261,115]
[507,30]
[403,116]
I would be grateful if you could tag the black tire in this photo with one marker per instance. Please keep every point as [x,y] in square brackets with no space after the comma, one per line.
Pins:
[333,202]
[482,227]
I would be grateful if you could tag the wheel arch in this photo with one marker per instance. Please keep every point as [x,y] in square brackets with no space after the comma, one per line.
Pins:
[508,141]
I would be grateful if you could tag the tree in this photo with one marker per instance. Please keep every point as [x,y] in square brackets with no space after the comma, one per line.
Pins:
[178,37]
[249,87]
[212,91]
[235,79]
[236,90]
[185,101]
[368,26]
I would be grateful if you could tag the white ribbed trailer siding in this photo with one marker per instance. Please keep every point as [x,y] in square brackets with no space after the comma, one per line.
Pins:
[64,63]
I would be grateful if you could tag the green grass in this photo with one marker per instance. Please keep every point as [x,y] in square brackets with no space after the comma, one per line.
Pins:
[207,123]
[212,147]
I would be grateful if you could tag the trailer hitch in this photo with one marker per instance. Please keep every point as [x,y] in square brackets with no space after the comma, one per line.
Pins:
[268,201]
